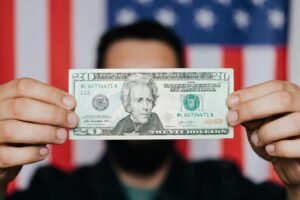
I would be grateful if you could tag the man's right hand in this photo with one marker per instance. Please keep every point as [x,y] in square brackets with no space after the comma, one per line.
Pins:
[32,115]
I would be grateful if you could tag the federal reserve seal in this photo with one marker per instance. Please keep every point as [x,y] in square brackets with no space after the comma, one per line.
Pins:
[100,102]
[191,102]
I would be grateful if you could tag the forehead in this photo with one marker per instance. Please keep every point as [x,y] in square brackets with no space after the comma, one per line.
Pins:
[135,53]
[139,90]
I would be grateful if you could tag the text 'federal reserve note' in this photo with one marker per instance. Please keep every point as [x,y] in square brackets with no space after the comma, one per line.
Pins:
[151,103]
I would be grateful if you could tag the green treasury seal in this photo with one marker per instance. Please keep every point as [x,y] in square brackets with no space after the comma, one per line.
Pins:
[191,102]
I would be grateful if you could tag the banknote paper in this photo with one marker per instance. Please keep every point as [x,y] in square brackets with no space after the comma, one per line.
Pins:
[151,103]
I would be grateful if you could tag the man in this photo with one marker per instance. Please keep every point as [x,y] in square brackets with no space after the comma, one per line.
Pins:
[151,169]
[139,94]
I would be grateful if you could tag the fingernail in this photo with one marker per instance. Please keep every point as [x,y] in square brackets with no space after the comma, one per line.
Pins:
[72,118]
[233,100]
[255,139]
[61,135]
[44,151]
[69,101]
[232,117]
[270,148]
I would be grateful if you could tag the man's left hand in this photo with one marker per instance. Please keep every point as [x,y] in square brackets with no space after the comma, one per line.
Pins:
[270,112]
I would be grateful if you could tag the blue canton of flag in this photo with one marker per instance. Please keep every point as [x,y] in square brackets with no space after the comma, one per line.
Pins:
[227,22]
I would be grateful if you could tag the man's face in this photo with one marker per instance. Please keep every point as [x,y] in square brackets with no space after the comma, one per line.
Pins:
[141,103]
[141,157]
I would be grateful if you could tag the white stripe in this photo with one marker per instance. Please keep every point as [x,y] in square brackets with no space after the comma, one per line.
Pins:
[255,167]
[89,22]
[294,42]
[88,152]
[31,55]
[204,57]
[32,39]
[27,173]
[205,149]
[259,67]
[259,64]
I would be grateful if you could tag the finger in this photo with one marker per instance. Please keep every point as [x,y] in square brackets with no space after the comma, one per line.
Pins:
[282,128]
[12,131]
[38,112]
[284,148]
[15,156]
[265,106]
[260,90]
[29,88]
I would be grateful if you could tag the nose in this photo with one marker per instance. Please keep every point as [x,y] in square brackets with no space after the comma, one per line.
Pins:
[146,106]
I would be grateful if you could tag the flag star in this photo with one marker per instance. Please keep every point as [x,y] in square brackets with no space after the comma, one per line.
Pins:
[224,2]
[276,18]
[241,19]
[166,16]
[205,18]
[185,2]
[126,16]
[258,3]
[144,2]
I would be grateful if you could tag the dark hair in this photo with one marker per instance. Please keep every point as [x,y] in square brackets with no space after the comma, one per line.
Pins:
[145,30]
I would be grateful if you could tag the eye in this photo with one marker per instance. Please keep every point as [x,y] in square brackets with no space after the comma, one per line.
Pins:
[140,100]
[149,100]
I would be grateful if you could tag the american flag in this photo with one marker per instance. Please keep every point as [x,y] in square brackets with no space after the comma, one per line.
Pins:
[41,39]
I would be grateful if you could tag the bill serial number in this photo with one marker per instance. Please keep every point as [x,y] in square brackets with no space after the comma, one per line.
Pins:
[194,114]
[98,86]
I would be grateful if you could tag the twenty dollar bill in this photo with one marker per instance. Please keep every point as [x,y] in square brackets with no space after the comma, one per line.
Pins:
[151,103]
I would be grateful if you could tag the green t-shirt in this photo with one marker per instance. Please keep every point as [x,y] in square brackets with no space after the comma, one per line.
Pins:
[136,193]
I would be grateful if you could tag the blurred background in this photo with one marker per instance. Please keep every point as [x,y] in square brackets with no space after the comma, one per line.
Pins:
[260,39]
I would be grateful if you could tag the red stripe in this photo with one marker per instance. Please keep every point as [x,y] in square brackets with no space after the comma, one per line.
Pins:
[60,61]
[233,148]
[12,187]
[7,51]
[281,63]
[182,147]
[7,37]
